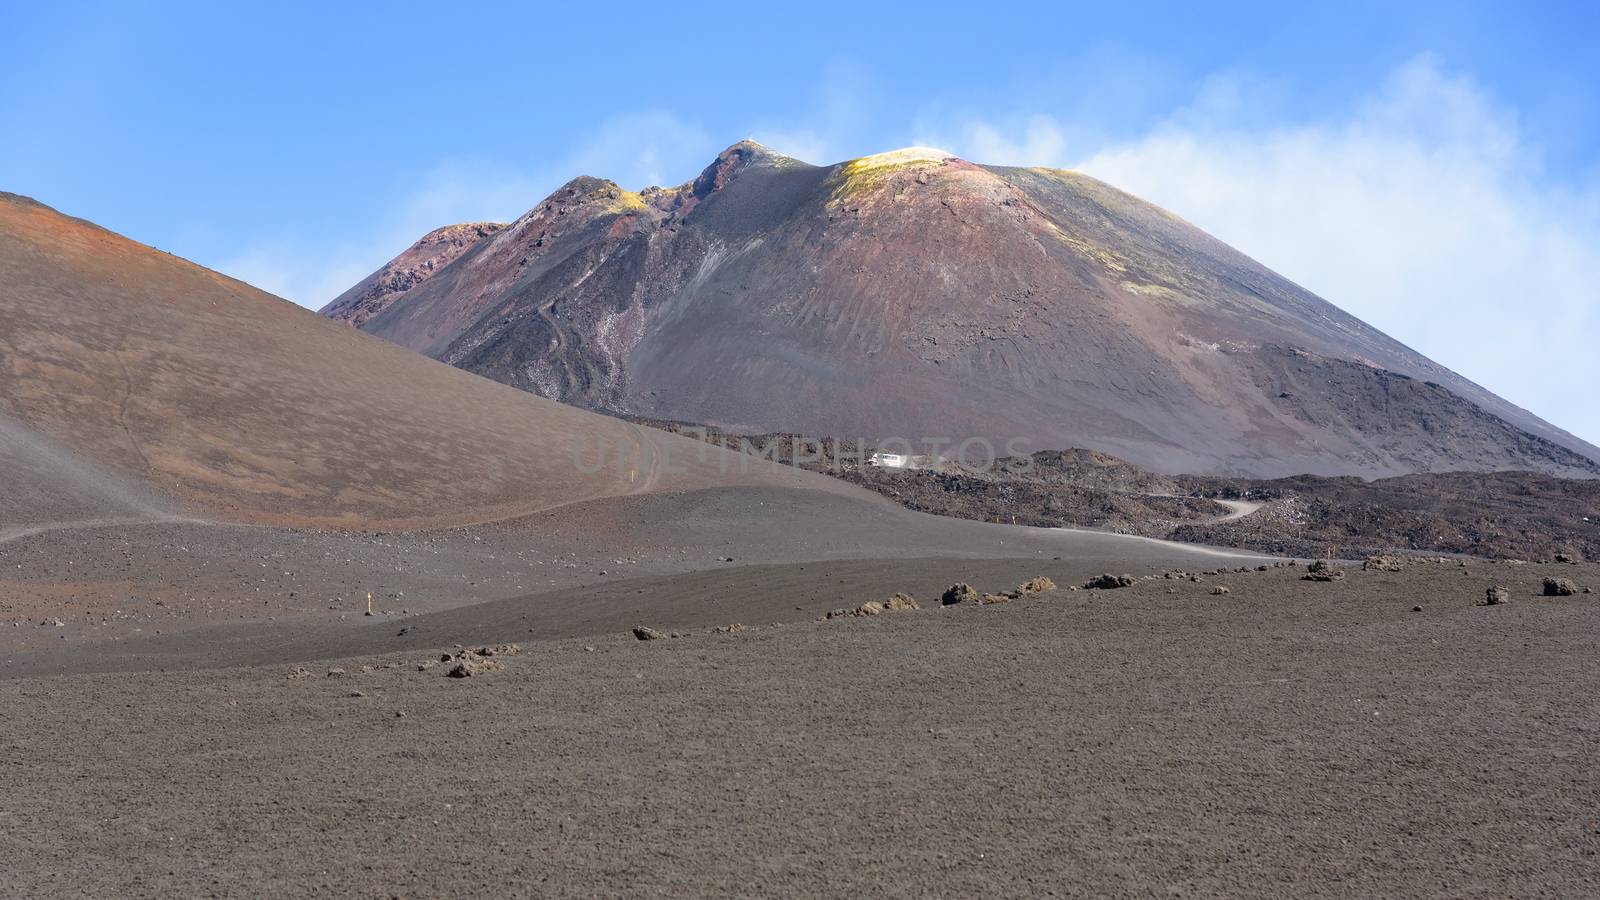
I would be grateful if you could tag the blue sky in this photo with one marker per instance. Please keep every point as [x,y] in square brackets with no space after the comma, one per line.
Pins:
[1435,170]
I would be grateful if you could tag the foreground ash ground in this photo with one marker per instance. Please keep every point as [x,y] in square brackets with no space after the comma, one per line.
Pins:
[1287,736]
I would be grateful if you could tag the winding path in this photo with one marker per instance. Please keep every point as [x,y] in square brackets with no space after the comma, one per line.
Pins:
[9,533]
[1201,549]
[1238,509]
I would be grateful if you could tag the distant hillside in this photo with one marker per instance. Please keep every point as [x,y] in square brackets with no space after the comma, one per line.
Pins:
[914,294]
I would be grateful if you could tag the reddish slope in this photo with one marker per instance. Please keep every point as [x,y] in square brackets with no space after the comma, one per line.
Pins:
[419,262]
[243,404]
[913,294]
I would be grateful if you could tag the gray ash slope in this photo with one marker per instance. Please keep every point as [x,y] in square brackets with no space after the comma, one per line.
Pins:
[914,294]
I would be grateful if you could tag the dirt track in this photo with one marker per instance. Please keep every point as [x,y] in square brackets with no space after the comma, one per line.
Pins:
[186,595]
[1238,509]
[1286,739]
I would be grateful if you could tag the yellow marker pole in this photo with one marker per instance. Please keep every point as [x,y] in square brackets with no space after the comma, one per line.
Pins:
[369,603]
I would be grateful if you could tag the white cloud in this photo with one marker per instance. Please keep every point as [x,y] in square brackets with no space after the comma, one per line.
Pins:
[838,114]
[803,144]
[653,148]
[1423,210]
[288,271]
[1026,143]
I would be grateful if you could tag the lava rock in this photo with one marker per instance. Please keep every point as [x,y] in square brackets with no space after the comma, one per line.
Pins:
[901,603]
[500,650]
[1109,582]
[959,593]
[470,666]
[1559,587]
[1322,570]
[1383,564]
[1036,585]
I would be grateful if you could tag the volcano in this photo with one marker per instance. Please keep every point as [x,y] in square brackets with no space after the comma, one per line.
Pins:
[914,294]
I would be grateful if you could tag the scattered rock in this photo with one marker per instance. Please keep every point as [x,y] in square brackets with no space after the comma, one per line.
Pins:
[646,633]
[901,602]
[1559,587]
[1109,582]
[1567,558]
[735,628]
[1383,564]
[472,665]
[299,672]
[959,593]
[1416,609]
[1036,585]
[335,673]
[1322,570]
[1495,596]
[990,599]
[897,603]
[475,661]
[1220,590]
[500,650]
